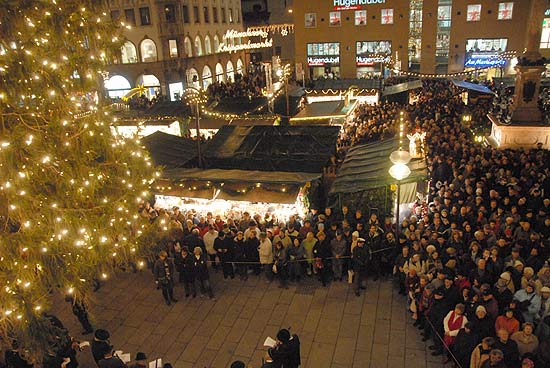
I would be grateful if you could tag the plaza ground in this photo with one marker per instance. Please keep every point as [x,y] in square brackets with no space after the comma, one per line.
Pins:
[336,328]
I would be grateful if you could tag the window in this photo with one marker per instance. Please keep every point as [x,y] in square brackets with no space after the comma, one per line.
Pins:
[130,16]
[224,17]
[387,16]
[206,14]
[444,16]
[173,47]
[505,11]
[335,19]
[185,14]
[230,15]
[473,13]
[323,49]
[170,13]
[196,14]
[360,17]
[188,47]
[545,35]
[311,20]
[148,51]
[215,14]
[207,45]
[370,52]
[144,16]
[198,46]
[115,15]
[216,43]
[128,53]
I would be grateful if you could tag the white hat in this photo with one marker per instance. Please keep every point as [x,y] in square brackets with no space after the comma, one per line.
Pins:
[355,233]
[481,308]
[545,289]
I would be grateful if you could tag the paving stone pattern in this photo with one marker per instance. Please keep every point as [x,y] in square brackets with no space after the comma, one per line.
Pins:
[336,328]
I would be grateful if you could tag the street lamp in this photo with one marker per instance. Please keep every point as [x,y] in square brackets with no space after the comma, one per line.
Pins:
[399,171]
[195,98]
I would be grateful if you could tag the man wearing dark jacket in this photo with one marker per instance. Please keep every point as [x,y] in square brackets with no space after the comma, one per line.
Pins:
[286,354]
[322,253]
[164,275]
[100,344]
[360,258]
[509,348]
[224,247]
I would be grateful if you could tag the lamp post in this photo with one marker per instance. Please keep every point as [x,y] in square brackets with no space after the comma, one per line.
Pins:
[284,75]
[195,98]
[399,171]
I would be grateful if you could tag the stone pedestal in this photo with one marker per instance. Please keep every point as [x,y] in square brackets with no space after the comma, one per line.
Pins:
[525,108]
[518,136]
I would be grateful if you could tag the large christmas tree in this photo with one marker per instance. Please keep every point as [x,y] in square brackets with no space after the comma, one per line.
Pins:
[69,189]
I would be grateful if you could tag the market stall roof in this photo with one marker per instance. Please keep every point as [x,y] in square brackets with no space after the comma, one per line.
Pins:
[170,150]
[253,121]
[238,105]
[366,167]
[325,109]
[472,87]
[402,87]
[237,185]
[246,176]
[272,148]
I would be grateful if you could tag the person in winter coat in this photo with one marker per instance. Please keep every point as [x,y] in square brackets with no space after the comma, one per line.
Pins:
[508,347]
[209,238]
[526,340]
[360,258]
[240,255]
[296,255]
[496,360]
[280,264]
[185,266]
[483,324]
[265,250]
[338,246]
[529,302]
[321,255]
[224,247]
[164,275]
[481,352]
[452,323]
[507,322]
[464,345]
[200,266]
[251,246]
[308,243]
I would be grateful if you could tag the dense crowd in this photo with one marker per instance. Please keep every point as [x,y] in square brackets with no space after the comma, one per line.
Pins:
[370,123]
[472,260]
[249,85]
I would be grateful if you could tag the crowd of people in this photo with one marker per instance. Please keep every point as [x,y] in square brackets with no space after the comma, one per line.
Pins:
[473,260]
[371,123]
[249,85]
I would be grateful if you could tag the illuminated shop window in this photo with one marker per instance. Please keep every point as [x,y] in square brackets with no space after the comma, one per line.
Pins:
[545,35]
[173,47]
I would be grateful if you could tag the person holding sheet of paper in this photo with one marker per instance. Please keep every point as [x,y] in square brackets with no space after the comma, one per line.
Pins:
[286,352]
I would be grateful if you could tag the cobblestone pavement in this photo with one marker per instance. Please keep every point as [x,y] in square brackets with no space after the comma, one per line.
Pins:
[336,328]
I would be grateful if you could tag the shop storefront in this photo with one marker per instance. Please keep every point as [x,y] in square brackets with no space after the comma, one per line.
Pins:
[485,53]
[370,57]
[323,60]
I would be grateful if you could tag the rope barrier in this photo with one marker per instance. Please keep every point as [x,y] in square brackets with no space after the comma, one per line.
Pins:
[441,339]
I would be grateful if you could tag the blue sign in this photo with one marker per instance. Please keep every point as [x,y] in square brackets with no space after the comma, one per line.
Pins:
[483,61]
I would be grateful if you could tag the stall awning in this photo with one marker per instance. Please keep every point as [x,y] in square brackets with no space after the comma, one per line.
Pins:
[237,185]
[169,150]
[344,84]
[366,167]
[247,176]
[472,87]
[402,87]
[272,148]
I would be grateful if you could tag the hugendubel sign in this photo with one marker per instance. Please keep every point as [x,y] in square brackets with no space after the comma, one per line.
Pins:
[354,4]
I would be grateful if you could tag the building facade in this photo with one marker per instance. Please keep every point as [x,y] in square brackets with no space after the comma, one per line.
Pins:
[367,38]
[174,44]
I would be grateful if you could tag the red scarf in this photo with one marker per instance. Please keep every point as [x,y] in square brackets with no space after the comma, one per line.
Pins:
[454,323]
